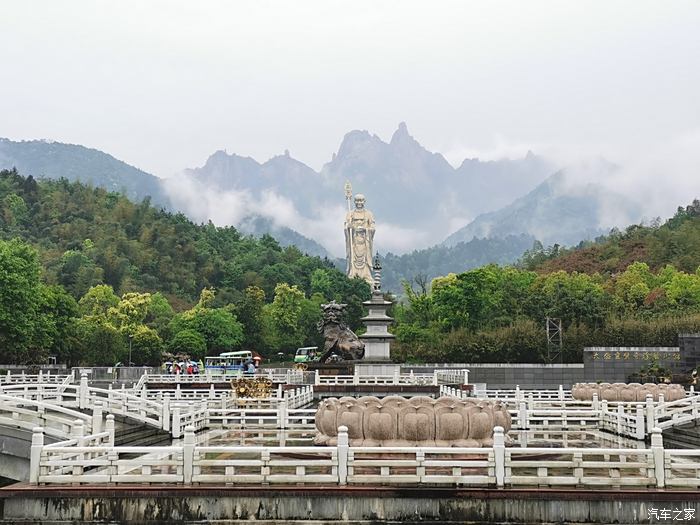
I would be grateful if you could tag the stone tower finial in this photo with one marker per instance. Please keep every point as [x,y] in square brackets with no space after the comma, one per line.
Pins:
[377,267]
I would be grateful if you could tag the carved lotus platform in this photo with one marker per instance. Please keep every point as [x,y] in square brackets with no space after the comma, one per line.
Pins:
[626,392]
[396,421]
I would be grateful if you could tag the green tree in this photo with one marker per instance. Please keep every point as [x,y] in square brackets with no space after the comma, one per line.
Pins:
[147,346]
[24,329]
[61,309]
[283,317]
[130,312]
[159,314]
[218,326]
[101,344]
[97,302]
[250,313]
[188,342]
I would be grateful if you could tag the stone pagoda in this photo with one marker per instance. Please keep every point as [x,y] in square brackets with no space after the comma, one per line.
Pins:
[377,339]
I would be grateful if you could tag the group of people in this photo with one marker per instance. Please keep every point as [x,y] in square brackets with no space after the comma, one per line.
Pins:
[183,367]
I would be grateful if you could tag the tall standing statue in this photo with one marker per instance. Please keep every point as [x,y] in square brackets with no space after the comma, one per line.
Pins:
[359,237]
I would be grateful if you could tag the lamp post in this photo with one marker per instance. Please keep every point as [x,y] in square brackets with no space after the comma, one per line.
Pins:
[130,337]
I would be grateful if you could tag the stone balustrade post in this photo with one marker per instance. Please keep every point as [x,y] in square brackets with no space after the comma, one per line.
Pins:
[83,398]
[662,407]
[465,381]
[657,448]
[109,428]
[289,376]
[97,418]
[397,375]
[317,377]
[499,456]
[35,455]
[280,392]
[178,394]
[175,425]
[561,393]
[620,417]
[603,413]
[77,429]
[692,390]
[595,403]
[77,432]
[435,378]
[343,447]
[165,416]
[518,394]
[650,412]
[188,455]
[212,392]
[282,414]
[355,376]
[639,422]
[522,416]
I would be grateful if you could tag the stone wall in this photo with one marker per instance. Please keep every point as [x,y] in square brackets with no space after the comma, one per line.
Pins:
[616,364]
[334,505]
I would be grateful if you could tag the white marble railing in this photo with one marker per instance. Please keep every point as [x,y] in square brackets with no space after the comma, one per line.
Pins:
[26,414]
[555,410]
[496,466]
[42,377]
[164,412]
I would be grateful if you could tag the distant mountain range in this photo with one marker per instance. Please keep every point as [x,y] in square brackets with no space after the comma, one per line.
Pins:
[417,197]
[440,260]
[442,219]
[53,160]
[556,211]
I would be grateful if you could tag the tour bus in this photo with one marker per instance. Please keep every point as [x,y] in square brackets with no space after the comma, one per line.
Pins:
[306,354]
[228,363]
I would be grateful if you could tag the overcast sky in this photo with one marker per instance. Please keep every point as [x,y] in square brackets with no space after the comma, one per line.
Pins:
[162,85]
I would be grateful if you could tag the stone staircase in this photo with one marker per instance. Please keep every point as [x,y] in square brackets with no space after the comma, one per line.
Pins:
[683,436]
[128,433]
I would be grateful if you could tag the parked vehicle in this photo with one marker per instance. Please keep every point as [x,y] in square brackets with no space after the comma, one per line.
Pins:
[228,363]
[306,354]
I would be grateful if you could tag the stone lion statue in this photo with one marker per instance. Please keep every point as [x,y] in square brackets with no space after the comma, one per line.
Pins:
[341,343]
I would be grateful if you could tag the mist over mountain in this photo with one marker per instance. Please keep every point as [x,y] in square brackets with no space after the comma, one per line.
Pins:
[560,210]
[417,197]
[440,260]
[54,160]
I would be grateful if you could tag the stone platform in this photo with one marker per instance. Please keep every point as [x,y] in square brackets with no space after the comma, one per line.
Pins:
[157,505]
[321,391]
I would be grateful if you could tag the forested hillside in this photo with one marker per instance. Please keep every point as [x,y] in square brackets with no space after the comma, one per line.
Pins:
[54,160]
[637,288]
[675,242]
[135,270]
[440,260]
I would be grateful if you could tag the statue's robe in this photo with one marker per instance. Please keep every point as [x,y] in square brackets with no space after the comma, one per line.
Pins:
[359,238]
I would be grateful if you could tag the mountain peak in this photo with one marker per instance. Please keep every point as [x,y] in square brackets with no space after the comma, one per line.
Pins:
[401,134]
[356,141]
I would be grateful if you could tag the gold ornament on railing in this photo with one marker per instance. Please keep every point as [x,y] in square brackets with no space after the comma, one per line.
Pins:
[258,387]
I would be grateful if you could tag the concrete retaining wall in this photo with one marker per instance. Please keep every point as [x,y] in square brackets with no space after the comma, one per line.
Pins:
[507,375]
[321,505]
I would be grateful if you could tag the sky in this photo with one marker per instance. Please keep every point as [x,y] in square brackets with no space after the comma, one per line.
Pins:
[163,84]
